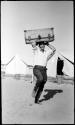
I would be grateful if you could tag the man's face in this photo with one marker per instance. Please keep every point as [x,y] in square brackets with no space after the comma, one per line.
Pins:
[42,47]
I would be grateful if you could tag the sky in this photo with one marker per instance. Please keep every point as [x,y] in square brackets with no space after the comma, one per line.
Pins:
[17,16]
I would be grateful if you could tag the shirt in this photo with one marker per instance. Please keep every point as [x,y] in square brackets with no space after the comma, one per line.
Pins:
[41,58]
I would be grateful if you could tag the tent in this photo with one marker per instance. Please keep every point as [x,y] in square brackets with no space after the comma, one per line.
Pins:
[68,68]
[3,66]
[16,66]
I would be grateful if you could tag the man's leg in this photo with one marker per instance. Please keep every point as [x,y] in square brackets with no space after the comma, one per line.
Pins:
[39,92]
[39,80]
[41,87]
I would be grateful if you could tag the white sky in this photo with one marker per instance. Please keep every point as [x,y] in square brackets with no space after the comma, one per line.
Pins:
[16,16]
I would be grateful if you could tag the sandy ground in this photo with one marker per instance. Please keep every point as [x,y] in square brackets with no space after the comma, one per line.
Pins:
[18,108]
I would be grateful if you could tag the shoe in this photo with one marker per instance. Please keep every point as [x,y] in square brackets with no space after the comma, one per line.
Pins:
[38,102]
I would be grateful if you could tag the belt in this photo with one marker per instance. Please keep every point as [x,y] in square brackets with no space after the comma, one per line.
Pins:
[41,67]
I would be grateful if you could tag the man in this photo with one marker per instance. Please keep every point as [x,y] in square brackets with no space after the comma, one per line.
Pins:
[41,58]
[60,64]
[60,74]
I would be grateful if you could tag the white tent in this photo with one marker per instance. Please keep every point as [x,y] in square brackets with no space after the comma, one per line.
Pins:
[68,68]
[16,66]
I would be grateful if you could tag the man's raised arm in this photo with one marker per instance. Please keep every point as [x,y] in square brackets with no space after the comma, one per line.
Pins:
[51,47]
[53,51]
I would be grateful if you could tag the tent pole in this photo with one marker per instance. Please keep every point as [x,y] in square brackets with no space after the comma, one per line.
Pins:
[66,59]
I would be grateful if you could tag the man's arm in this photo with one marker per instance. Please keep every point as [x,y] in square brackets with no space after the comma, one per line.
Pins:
[51,47]
[34,45]
[53,51]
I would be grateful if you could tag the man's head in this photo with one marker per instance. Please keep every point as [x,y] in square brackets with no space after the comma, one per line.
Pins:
[42,46]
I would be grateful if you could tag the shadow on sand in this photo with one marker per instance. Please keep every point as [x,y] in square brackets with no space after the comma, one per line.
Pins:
[50,94]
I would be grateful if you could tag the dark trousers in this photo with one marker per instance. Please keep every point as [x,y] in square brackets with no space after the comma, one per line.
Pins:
[41,75]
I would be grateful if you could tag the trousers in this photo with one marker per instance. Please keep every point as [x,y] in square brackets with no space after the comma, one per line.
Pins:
[41,74]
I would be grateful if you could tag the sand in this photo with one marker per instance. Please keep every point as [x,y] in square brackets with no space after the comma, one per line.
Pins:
[57,103]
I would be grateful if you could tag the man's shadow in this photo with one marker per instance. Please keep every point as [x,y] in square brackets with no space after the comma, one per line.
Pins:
[50,94]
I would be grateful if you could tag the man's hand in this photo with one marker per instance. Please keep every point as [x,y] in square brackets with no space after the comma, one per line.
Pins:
[46,43]
[33,44]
